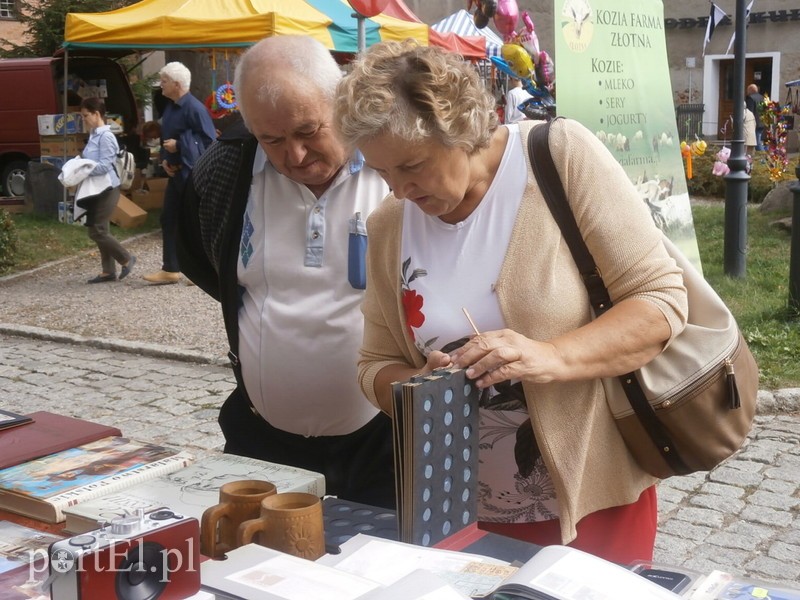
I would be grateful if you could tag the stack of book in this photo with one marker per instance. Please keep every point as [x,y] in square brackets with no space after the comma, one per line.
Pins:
[55,469]
[43,487]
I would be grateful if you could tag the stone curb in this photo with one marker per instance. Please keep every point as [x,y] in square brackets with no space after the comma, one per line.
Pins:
[141,348]
[778,402]
[770,402]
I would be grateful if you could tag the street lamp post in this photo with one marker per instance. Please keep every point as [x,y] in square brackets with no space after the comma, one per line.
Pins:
[794,256]
[362,32]
[365,9]
[735,245]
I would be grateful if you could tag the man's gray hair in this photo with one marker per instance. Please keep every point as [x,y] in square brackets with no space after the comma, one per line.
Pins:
[177,71]
[275,61]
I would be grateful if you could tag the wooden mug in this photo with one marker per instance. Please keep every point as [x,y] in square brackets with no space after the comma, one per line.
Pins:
[238,502]
[289,522]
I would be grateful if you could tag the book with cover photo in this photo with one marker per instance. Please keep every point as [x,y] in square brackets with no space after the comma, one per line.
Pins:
[47,433]
[191,490]
[44,487]
[20,545]
[20,584]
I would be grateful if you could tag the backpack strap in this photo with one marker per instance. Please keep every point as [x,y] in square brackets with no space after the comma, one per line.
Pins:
[117,154]
[544,169]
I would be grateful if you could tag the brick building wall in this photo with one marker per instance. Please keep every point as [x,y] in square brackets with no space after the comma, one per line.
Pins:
[10,28]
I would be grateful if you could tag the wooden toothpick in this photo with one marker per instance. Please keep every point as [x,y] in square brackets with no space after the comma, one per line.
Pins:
[471,322]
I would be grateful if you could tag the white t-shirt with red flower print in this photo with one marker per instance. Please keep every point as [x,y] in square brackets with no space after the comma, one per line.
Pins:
[446,267]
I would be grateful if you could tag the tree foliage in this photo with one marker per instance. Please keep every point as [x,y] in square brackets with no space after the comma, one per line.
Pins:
[44,22]
[8,240]
[142,86]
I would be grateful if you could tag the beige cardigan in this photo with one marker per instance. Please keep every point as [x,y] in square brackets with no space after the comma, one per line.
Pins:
[541,296]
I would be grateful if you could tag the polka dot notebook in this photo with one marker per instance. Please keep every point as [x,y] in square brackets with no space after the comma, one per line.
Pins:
[436,455]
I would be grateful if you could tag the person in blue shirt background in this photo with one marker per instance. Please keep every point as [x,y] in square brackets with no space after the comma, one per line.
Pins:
[186,131]
[102,147]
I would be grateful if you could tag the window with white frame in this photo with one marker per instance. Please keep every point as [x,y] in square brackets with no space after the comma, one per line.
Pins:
[8,9]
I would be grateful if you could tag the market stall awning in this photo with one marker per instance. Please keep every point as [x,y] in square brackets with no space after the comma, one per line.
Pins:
[461,23]
[468,46]
[164,24]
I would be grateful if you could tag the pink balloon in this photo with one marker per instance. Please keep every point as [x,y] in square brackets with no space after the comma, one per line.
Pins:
[506,17]
[528,38]
[369,8]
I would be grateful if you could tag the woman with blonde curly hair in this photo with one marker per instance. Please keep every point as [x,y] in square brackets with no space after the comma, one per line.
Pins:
[466,226]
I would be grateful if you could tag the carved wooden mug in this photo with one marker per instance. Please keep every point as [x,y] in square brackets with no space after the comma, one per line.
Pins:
[289,522]
[238,502]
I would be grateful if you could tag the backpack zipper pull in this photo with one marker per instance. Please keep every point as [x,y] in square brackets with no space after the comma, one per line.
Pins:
[733,390]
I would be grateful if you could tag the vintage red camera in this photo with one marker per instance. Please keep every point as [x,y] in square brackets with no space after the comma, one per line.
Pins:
[133,558]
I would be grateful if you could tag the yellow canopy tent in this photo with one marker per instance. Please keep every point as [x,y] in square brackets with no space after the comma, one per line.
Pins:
[165,24]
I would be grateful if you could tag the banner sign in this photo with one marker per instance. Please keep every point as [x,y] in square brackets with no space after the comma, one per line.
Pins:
[612,76]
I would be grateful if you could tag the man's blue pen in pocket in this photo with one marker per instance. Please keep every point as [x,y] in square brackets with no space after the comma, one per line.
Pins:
[357,253]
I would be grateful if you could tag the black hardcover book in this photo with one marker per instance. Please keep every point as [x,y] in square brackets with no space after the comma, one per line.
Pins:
[435,432]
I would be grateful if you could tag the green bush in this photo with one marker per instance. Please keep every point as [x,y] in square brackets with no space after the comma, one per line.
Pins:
[8,240]
[705,183]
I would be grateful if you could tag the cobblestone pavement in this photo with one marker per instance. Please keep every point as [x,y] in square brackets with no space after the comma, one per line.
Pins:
[742,517]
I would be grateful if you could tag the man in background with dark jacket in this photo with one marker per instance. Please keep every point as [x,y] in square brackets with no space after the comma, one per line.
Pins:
[186,131]
[752,102]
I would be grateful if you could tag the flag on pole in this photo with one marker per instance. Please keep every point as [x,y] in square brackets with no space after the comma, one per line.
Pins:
[746,21]
[714,18]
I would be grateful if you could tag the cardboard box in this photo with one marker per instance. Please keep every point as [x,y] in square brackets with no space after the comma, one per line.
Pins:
[54,145]
[149,193]
[127,214]
[156,184]
[56,124]
[146,199]
[115,122]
